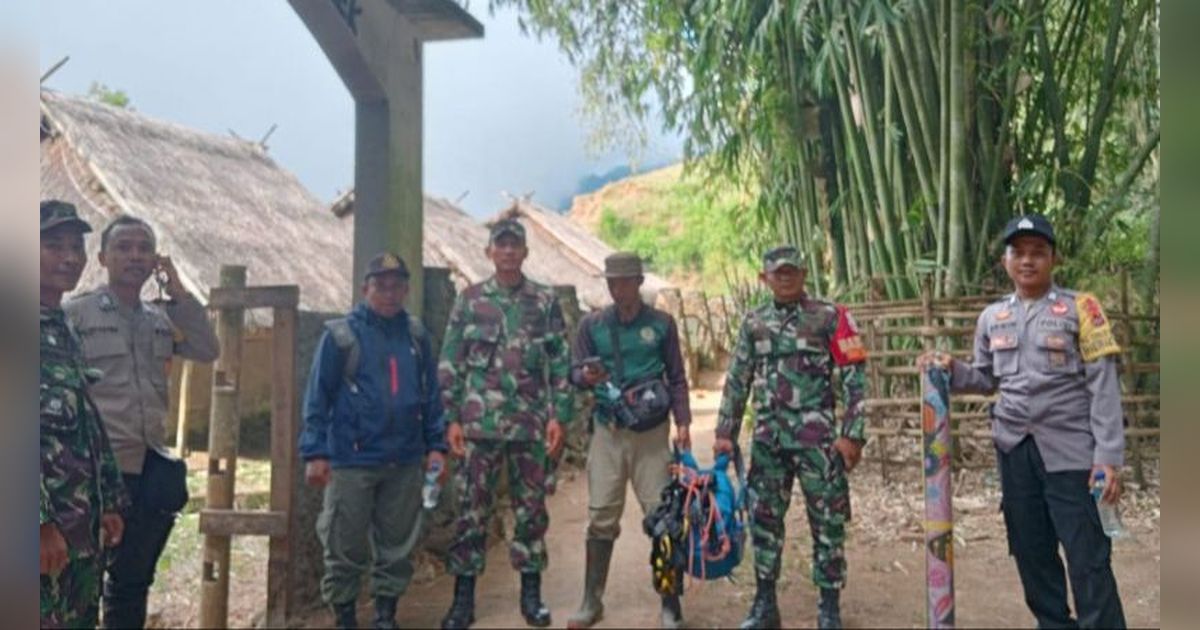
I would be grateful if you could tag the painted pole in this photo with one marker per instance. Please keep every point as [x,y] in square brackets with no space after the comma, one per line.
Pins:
[939,515]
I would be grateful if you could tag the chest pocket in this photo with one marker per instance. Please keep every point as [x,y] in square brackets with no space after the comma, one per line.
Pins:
[108,352]
[1057,354]
[480,344]
[162,349]
[59,399]
[1004,344]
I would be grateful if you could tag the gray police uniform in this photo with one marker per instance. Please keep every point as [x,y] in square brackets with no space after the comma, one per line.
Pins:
[1058,414]
[134,346]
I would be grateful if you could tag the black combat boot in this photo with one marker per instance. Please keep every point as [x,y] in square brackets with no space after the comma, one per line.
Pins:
[672,612]
[344,615]
[764,613]
[599,553]
[829,614]
[535,612]
[462,609]
[385,613]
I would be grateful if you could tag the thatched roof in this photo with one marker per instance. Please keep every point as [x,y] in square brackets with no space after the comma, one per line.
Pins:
[561,251]
[212,199]
[564,252]
[453,239]
[217,200]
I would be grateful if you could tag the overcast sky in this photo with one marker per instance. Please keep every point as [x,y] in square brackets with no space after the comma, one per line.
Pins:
[501,113]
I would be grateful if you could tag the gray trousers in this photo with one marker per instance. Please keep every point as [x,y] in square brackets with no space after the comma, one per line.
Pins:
[375,509]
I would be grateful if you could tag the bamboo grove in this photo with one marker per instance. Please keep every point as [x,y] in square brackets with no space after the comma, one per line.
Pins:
[894,139]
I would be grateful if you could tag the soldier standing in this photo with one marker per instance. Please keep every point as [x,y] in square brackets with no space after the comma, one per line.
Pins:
[81,496]
[133,342]
[787,350]
[1051,353]
[504,375]
[628,345]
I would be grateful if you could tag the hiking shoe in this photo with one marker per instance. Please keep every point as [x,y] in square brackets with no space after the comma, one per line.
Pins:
[385,613]
[344,615]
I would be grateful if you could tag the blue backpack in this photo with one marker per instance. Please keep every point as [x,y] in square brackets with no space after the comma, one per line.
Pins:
[699,528]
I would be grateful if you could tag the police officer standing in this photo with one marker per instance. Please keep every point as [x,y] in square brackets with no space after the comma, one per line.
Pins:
[1051,353]
[504,375]
[133,343]
[81,495]
[628,346]
[787,350]
[371,412]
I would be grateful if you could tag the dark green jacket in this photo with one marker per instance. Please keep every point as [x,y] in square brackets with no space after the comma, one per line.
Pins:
[649,347]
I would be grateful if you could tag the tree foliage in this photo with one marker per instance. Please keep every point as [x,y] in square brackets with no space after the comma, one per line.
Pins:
[894,138]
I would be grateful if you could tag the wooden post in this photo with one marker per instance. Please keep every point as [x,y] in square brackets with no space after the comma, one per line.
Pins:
[285,431]
[185,384]
[874,386]
[222,453]
[222,446]
[1128,356]
[712,331]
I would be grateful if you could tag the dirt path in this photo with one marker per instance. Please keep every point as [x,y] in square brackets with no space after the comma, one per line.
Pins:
[886,566]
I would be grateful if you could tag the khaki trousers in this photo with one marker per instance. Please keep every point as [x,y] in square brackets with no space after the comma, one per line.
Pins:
[616,457]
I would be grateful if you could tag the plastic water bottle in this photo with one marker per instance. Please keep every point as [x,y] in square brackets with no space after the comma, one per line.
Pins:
[610,391]
[431,491]
[1109,519]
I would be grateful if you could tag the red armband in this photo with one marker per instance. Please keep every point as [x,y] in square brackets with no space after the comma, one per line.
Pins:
[847,345]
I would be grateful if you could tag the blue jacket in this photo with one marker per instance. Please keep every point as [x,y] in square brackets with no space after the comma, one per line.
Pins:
[381,418]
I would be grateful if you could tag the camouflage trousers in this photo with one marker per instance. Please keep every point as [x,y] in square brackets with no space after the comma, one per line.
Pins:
[827,499]
[72,599]
[476,479]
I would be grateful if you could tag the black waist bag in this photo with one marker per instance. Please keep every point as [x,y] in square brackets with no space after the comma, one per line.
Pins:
[164,483]
[647,402]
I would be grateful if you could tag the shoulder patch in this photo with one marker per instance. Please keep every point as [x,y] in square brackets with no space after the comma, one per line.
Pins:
[1095,332]
[847,343]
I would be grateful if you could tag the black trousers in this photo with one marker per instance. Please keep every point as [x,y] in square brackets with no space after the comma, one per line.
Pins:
[130,570]
[1041,511]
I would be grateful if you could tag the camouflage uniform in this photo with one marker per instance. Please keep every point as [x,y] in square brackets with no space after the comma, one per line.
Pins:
[503,374]
[787,353]
[79,476]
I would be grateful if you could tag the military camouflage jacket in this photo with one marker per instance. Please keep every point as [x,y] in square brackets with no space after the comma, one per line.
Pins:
[79,477]
[787,352]
[504,366]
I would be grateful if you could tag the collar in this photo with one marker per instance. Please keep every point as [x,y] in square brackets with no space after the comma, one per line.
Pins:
[616,315]
[390,324]
[1051,296]
[492,286]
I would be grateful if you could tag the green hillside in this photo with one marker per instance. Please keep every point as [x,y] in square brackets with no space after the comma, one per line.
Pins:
[695,238]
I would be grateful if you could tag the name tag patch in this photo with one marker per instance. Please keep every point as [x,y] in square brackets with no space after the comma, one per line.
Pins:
[1003,342]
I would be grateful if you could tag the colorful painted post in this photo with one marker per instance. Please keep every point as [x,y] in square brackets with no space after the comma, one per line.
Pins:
[939,515]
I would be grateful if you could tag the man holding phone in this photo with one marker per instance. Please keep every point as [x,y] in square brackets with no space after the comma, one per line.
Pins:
[627,348]
[133,341]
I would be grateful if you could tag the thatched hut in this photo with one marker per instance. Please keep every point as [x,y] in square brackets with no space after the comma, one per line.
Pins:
[561,251]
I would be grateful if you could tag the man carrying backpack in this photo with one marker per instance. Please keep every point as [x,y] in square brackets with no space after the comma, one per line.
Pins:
[630,348]
[787,350]
[372,411]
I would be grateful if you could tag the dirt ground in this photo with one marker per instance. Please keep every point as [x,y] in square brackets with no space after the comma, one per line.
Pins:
[886,565]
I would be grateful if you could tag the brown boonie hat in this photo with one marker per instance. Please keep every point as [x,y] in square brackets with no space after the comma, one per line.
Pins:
[781,257]
[386,262]
[506,226]
[56,213]
[622,265]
